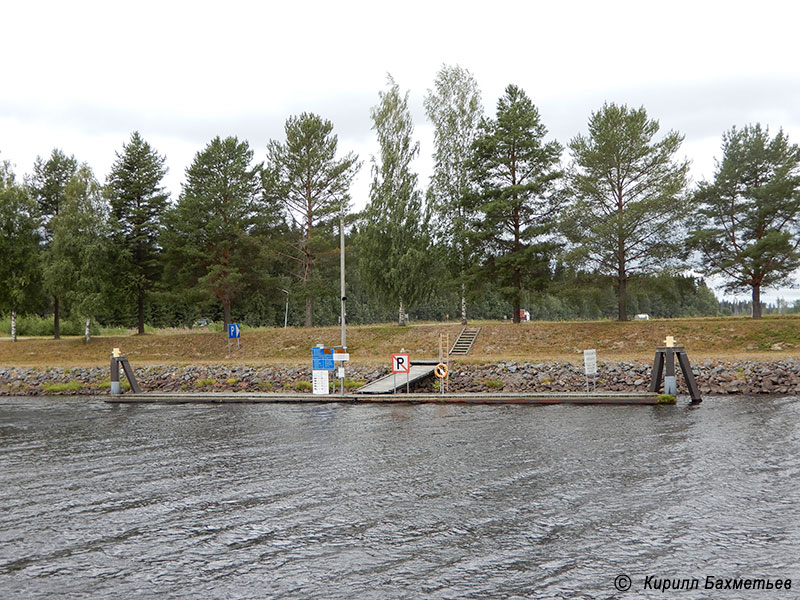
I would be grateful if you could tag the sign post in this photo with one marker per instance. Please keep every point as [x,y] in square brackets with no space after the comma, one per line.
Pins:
[340,355]
[590,367]
[233,332]
[401,363]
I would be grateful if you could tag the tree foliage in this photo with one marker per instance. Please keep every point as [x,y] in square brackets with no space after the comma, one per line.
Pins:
[748,228]
[516,171]
[19,245]
[47,186]
[77,260]
[138,200]
[305,176]
[628,196]
[208,239]
[454,107]
[393,246]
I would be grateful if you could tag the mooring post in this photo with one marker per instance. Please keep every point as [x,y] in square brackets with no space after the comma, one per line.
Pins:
[116,389]
[116,360]
[670,383]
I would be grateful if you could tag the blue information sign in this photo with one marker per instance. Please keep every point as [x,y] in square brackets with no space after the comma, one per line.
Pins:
[322,359]
[233,330]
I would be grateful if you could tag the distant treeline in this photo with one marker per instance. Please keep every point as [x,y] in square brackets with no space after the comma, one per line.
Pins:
[606,226]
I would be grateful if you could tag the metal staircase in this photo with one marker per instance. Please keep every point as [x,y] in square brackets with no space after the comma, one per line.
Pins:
[463,343]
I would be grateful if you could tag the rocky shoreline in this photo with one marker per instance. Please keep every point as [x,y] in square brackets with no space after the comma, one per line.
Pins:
[713,378]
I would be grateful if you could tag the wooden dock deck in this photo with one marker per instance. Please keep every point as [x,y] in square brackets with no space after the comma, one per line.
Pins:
[608,398]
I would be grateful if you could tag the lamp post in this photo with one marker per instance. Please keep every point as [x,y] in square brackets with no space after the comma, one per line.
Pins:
[344,299]
[286,312]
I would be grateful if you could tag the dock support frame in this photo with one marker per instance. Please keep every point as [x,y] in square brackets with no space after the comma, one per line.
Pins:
[665,361]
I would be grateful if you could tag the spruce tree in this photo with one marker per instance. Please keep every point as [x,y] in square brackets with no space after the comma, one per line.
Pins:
[138,200]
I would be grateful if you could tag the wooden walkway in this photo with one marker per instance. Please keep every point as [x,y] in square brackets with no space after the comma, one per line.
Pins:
[647,398]
[397,381]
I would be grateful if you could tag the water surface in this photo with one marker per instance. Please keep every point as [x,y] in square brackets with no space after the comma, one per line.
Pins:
[403,501]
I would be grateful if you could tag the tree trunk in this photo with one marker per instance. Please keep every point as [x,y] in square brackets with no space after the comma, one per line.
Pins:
[463,303]
[226,312]
[517,295]
[756,301]
[309,311]
[141,314]
[622,314]
[13,326]
[401,315]
[88,332]
[56,319]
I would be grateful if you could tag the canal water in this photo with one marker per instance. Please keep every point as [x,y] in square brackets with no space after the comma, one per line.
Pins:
[402,501]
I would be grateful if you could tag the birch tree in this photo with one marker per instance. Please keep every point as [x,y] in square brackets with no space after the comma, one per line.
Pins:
[19,245]
[394,258]
[454,107]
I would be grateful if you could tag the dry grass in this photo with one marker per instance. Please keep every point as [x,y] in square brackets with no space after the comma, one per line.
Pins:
[708,338]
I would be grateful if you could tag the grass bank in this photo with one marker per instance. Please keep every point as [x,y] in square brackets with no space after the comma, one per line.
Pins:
[771,338]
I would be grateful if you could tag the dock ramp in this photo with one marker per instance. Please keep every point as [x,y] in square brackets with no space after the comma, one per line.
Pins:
[389,384]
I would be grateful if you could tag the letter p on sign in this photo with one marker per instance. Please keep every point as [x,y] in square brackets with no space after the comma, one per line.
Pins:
[401,363]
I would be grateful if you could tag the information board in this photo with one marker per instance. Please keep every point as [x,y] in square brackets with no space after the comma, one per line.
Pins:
[322,359]
[319,380]
[590,362]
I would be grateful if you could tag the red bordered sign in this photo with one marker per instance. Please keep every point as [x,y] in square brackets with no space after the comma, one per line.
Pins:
[401,363]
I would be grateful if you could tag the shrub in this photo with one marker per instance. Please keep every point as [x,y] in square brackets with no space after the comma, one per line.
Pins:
[494,384]
[205,382]
[57,388]
[303,386]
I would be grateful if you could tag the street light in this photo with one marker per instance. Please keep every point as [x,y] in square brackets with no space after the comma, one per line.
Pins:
[286,313]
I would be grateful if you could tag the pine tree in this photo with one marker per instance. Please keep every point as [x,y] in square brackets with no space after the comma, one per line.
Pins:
[138,200]
[748,228]
[304,175]
[516,171]
[629,200]
[208,241]
[394,261]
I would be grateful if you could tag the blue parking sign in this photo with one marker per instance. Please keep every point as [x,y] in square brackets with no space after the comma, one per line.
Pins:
[233,330]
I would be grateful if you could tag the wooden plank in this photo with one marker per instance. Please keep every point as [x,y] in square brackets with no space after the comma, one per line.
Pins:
[609,398]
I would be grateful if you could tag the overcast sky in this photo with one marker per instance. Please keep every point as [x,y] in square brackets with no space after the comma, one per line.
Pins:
[81,76]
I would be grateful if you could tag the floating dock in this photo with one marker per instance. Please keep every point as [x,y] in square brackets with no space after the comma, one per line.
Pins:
[646,398]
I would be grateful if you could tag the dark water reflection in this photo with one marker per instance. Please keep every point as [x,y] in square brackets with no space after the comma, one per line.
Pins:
[339,501]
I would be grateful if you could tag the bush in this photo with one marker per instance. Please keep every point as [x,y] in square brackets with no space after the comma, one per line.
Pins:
[57,388]
[494,384]
[303,386]
[36,326]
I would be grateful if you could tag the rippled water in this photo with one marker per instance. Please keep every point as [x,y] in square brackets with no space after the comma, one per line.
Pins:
[343,501]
